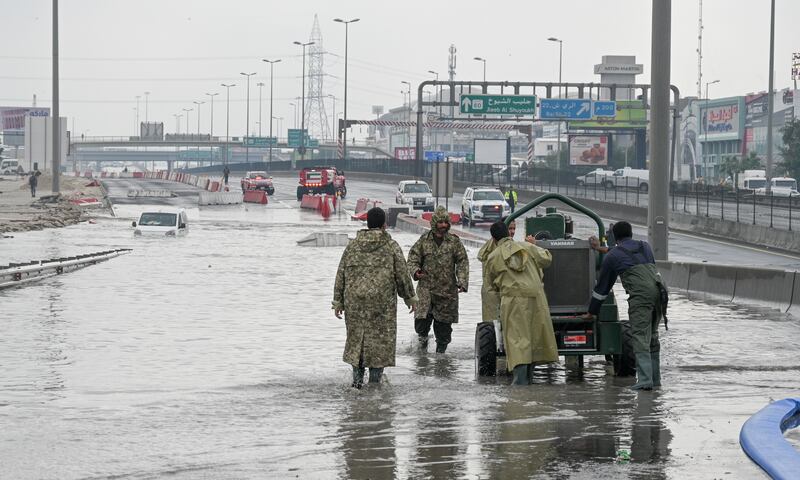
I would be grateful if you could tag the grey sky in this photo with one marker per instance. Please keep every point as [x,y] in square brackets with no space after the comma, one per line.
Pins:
[179,50]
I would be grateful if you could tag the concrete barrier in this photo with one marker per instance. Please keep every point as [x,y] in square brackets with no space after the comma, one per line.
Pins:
[768,287]
[328,239]
[710,279]
[220,198]
[675,274]
[255,196]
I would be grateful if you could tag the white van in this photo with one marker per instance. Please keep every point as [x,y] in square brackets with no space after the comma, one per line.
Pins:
[10,166]
[162,222]
[630,178]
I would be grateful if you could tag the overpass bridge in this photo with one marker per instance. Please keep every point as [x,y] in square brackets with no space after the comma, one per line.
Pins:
[169,153]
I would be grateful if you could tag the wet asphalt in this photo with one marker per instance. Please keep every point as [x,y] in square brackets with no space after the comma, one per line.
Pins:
[216,355]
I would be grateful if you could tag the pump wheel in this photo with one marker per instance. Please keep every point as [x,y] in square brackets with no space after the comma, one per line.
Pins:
[485,350]
[625,362]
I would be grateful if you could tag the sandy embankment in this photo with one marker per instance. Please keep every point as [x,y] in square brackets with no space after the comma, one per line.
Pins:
[19,212]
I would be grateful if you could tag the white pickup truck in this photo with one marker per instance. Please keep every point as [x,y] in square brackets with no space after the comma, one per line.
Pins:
[629,178]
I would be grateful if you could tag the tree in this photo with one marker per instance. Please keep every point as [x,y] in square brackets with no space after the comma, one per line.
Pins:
[734,165]
[791,148]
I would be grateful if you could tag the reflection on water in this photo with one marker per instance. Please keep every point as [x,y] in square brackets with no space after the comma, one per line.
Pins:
[217,355]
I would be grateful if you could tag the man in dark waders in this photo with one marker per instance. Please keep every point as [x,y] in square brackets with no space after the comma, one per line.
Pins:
[633,262]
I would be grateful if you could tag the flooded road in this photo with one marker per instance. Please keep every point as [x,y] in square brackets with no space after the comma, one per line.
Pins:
[216,355]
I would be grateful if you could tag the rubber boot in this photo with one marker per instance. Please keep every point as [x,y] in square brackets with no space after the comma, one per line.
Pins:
[441,347]
[358,377]
[656,358]
[522,375]
[375,375]
[423,342]
[644,372]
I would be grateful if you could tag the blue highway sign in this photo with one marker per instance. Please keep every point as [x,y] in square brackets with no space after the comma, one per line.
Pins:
[604,109]
[565,109]
[434,155]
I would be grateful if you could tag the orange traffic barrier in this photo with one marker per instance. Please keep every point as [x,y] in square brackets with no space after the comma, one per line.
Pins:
[454,217]
[213,186]
[255,196]
[312,202]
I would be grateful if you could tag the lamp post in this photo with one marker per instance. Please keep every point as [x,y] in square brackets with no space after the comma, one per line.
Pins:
[227,118]
[303,106]
[280,125]
[294,114]
[558,150]
[260,103]
[136,130]
[186,112]
[146,111]
[334,112]
[484,66]
[247,122]
[177,123]
[198,128]
[346,32]
[271,65]
[439,92]
[770,94]
[211,133]
[408,129]
[705,130]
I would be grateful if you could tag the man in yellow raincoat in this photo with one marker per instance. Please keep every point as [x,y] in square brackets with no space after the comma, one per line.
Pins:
[490,300]
[514,270]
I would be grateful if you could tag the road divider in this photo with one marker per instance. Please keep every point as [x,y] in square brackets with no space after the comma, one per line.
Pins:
[255,196]
[326,239]
[220,198]
[777,289]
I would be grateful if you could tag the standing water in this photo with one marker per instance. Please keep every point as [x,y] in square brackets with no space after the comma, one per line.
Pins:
[217,355]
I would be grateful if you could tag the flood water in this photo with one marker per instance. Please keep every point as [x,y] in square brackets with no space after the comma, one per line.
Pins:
[216,355]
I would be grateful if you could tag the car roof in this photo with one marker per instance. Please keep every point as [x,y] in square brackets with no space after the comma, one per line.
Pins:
[494,189]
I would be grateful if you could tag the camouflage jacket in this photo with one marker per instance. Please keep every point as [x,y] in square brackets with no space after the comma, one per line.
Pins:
[447,268]
[371,275]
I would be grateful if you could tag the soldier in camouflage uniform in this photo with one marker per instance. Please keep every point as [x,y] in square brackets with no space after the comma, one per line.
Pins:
[371,274]
[438,261]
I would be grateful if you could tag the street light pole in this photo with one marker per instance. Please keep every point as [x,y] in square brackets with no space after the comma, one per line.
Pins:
[146,110]
[211,134]
[334,110]
[705,132]
[770,94]
[271,65]
[198,128]
[558,149]
[484,67]
[186,112]
[247,122]
[408,128]
[303,106]
[227,118]
[260,103]
[177,123]
[346,33]
[136,131]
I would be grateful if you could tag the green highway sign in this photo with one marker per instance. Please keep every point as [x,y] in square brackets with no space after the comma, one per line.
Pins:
[295,137]
[498,104]
[260,141]
[312,142]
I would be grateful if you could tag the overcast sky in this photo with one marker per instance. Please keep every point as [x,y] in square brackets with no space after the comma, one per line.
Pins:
[113,50]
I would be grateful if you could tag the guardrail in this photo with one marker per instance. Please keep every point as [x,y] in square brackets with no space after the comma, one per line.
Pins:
[18,274]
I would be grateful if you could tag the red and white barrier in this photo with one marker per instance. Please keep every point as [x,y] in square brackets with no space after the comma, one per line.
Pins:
[255,196]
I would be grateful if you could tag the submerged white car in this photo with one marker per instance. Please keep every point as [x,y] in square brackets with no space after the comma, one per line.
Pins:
[162,222]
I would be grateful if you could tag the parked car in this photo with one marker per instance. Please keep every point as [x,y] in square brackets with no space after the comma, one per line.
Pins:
[483,204]
[170,222]
[258,180]
[595,177]
[415,193]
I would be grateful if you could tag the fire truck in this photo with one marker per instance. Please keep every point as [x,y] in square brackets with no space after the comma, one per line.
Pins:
[328,180]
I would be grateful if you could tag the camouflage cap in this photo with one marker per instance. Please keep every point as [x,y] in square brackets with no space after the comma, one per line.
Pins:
[440,215]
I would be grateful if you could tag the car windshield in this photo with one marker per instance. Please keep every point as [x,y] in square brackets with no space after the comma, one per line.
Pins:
[491,195]
[786,184]
[416,188]
[158,219]
[258,174]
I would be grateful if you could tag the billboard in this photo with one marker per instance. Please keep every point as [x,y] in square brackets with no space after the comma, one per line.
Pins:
[630,114]
[491,151]
[588,150]
[405,153]
[722,121]
[13,118]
